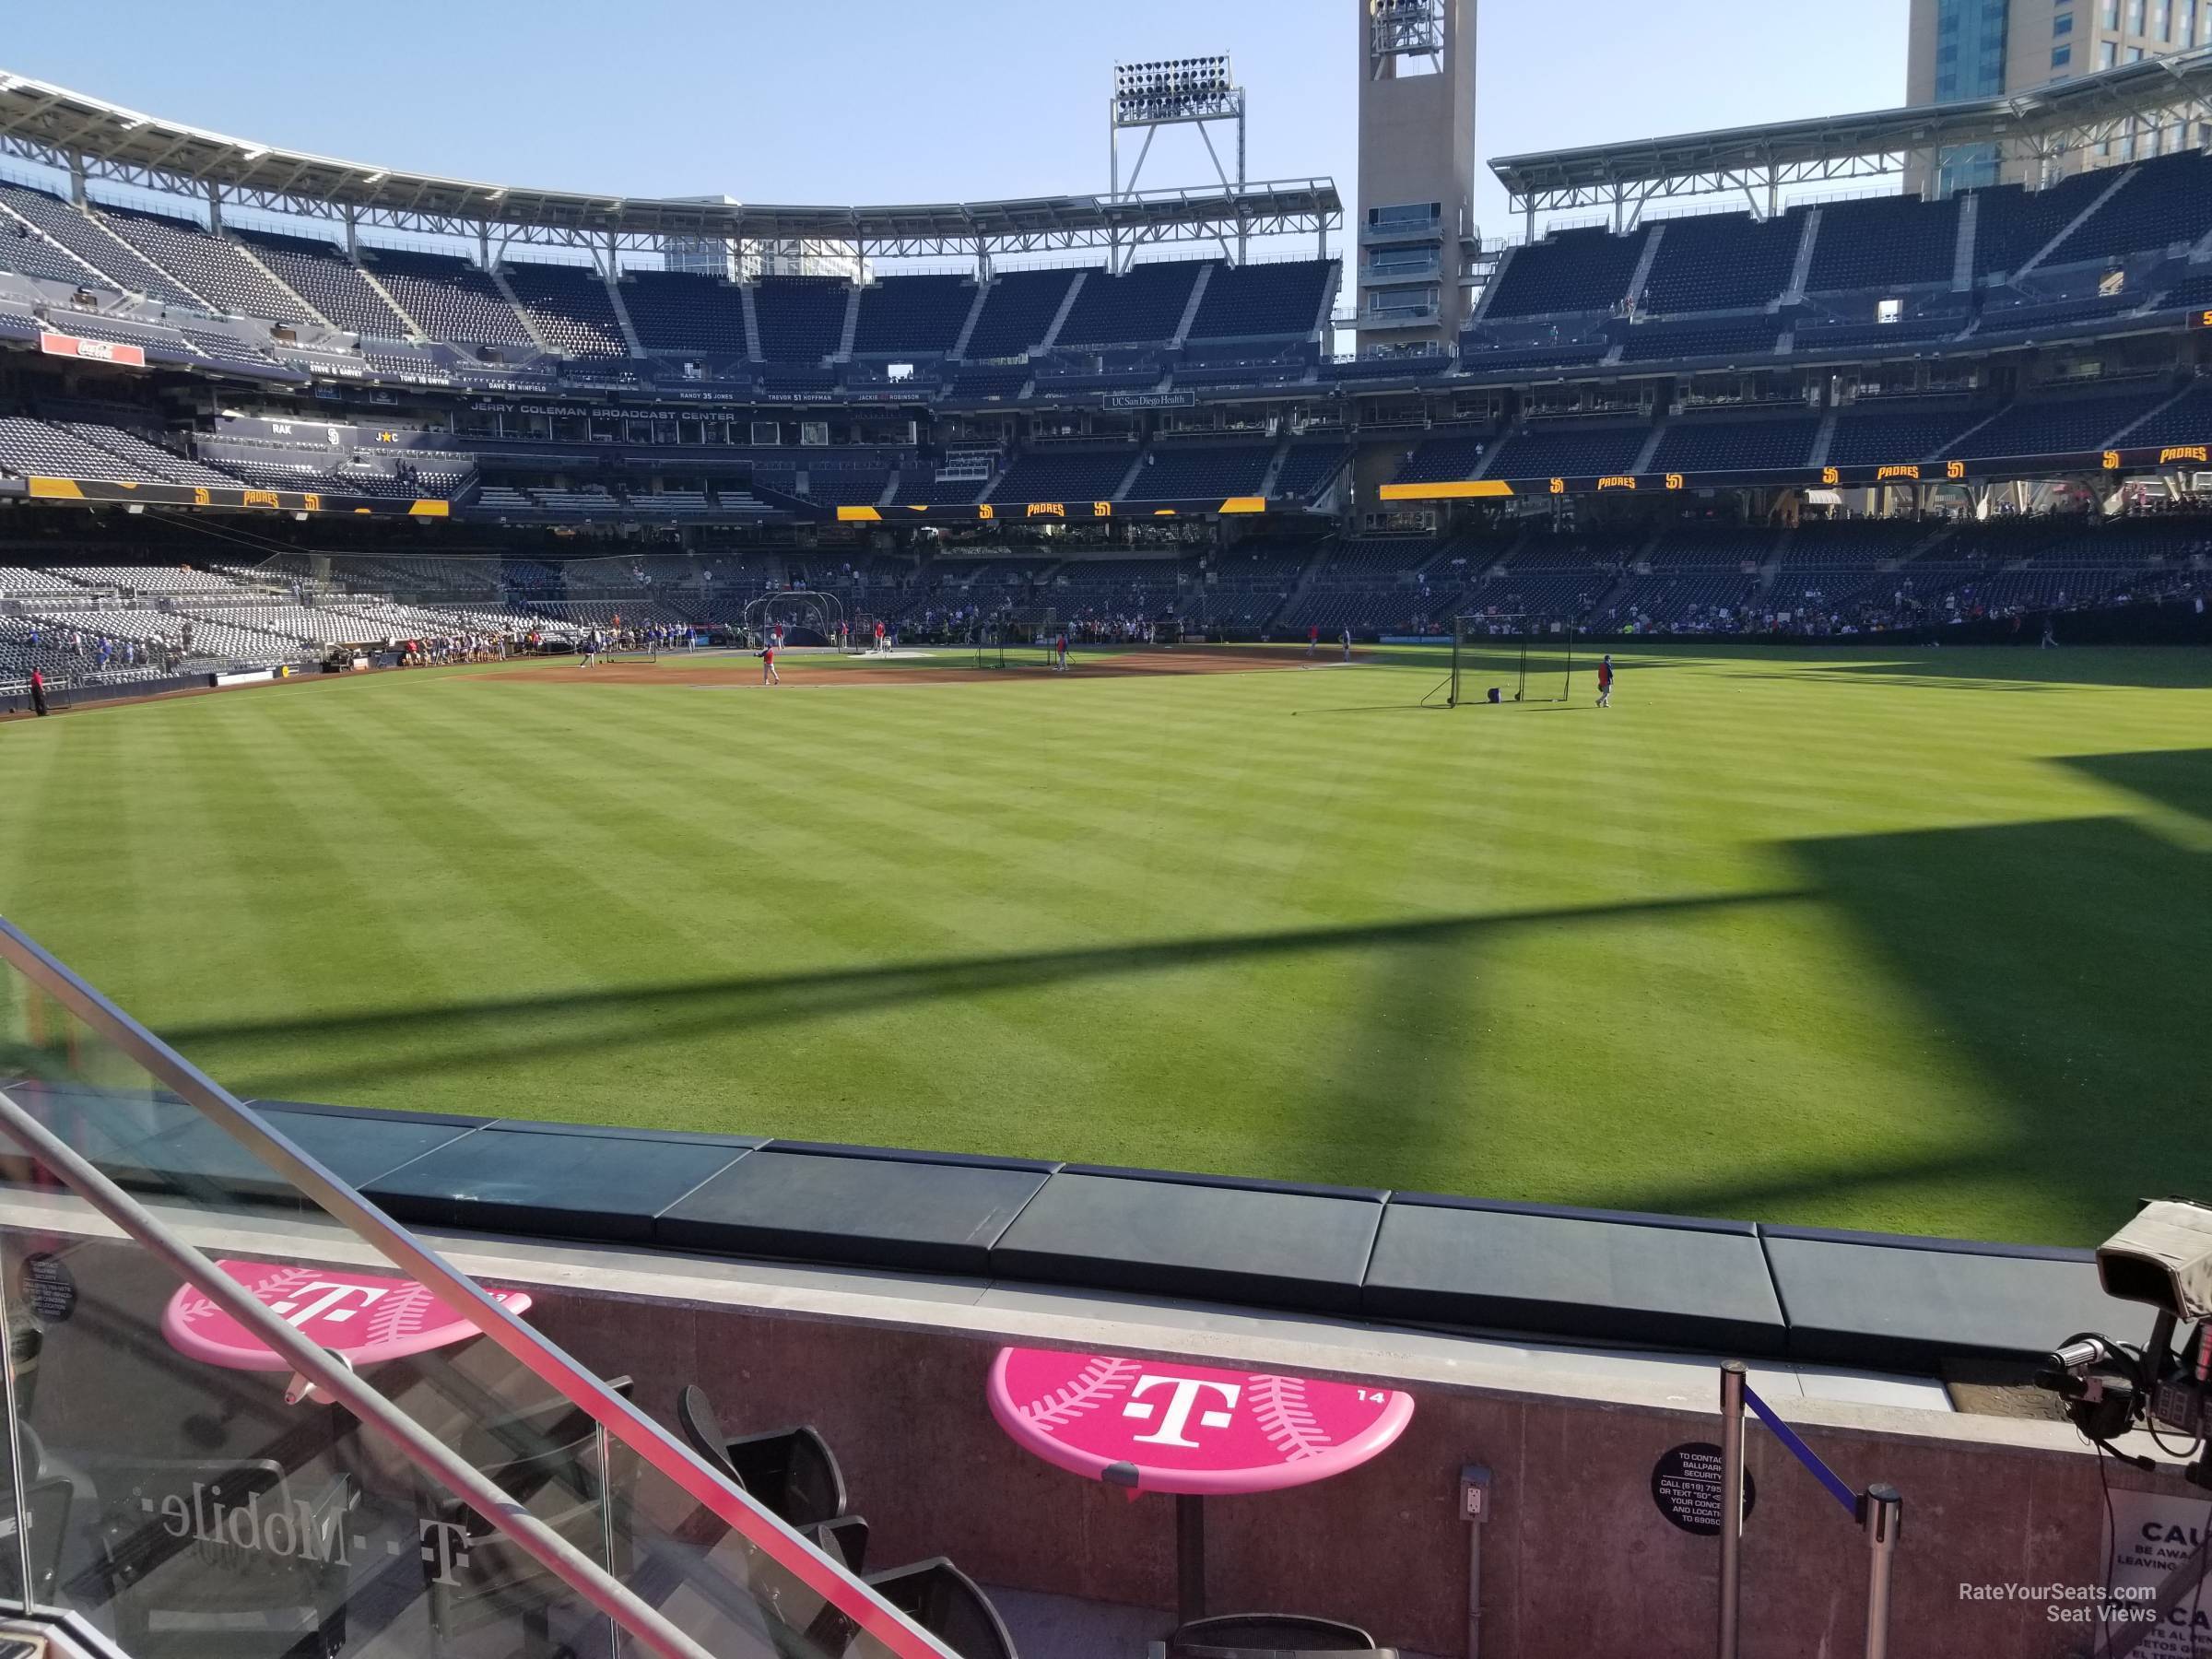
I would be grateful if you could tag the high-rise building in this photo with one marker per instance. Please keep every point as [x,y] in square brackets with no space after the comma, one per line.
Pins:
[1415,237]
[741,262]
[1959,50]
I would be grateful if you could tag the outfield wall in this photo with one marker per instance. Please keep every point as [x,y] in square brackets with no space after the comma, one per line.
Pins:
[1578,1559]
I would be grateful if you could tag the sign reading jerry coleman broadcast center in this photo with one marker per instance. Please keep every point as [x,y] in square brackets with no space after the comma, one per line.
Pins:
[1686,1484]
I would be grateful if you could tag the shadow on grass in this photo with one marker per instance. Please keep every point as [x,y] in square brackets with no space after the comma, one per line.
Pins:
[2068,962]
[2014,669]
[420,1042]
[2180,779]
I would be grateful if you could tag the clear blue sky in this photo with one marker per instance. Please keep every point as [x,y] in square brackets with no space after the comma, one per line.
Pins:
[892,100]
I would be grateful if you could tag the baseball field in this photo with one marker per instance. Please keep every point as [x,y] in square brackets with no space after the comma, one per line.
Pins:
[1914,941]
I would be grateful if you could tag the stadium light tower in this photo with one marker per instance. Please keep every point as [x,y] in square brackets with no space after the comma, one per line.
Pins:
[1196,92]
[1418,254]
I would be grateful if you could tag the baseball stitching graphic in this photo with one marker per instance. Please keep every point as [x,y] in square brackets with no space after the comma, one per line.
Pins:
[1098,1383]
[1278,1405]
[280,1280]
[402,1314]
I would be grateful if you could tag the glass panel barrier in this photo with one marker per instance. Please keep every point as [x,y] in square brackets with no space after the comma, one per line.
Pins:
[254,1416]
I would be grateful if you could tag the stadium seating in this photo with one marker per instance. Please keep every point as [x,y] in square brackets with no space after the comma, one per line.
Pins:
[675,311]
[1549,449]
[919,314]
[449,297]
[1476,356]
[1648,342]
[1713,444]
[2057,426]
[24,249]
[989,380]
[1387,365]
[1440,460]
[1886,431]
[1569,271]
[2010,314]
[2012,224]
[1065,476]
[30,446]
[320,274]
[135,450]
[2166,202]
[1196,471]
[1018,311]
[1913,336]
[802,318]
[212,266]
[570,308]
[2186,421]
[1721,262]
[92,242]
[1882,242]
[1264,300]
[1310,468]
[1145,303]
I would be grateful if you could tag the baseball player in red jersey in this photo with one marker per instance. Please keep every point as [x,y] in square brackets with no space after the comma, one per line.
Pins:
[1060,648]
[768,676]
[1312,638]
[879,636]
[1604,682]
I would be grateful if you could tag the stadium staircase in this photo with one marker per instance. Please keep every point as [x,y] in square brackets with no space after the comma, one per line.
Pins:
[752,323]
[1651,448]
[1824,440]
[1962,260]
[281,285]
[976,311]
[1276,463]
[629,329]
[1190,309]
[1792,291]
[851,327]
[499,280]
[384,294]
[1129,478]
[2076,223]
[1490,288]
[1067,304]
[1642,275]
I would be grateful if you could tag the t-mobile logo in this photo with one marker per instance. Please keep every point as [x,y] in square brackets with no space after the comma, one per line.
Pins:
[307,1307]
[1181,1403]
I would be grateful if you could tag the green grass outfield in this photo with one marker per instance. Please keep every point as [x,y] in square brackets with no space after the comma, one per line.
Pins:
[1913,940]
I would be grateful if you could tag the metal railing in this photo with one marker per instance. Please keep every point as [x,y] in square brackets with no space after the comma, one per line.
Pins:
[736,1607]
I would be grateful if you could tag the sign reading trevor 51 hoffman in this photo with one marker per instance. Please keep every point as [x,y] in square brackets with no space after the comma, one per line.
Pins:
[1686,1484]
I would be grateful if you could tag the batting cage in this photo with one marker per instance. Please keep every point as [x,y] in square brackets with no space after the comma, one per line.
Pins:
[1511,659]
[807,618]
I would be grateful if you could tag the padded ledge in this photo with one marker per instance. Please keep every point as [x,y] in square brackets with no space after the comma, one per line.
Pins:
[921,1214]
[541,1180]
[159,1143]
[1588,1276]
[1903,1304]
[1214,1241]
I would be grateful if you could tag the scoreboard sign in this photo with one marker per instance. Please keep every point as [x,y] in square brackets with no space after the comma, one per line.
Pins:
[101,351]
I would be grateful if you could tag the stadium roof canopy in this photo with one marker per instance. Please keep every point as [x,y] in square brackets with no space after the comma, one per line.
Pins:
[90,138]
[2043,123]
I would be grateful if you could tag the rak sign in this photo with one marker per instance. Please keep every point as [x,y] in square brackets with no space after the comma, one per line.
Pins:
[1161,1425]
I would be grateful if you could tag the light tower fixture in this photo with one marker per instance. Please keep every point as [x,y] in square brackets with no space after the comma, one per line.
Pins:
[1160,92]
[1404,28]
